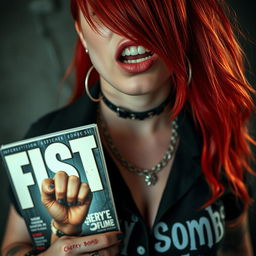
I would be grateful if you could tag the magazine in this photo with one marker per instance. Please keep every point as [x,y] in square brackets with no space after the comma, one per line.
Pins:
[76,151]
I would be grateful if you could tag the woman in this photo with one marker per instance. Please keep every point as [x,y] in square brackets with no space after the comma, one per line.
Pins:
[172,104]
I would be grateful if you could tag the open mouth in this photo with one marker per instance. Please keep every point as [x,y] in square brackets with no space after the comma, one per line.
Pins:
[134,59]
[135,54]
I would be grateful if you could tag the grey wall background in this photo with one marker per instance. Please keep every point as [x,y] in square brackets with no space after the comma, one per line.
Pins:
[36,45]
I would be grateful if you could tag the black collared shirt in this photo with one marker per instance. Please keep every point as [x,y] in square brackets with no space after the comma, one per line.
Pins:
[181,227]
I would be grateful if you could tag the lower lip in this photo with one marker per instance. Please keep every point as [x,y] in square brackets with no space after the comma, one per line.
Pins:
[135,68]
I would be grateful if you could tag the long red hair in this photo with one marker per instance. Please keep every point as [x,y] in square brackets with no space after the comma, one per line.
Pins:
[219,95]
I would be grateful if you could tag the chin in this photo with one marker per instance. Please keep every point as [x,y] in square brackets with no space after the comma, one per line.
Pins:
[144,86]
[136,89]
[136,85]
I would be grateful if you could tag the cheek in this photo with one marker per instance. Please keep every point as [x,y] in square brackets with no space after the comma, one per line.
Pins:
[100,63]
[104,32]
[97,52]
[161,71]
[97,44]
[165,71]
[97,36]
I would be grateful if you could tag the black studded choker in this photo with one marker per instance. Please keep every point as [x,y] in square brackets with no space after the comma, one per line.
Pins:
[125,113]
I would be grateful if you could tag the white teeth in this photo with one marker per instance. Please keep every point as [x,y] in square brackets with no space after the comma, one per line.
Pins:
[126,52]
[134,50]
[141,50]
[137,60]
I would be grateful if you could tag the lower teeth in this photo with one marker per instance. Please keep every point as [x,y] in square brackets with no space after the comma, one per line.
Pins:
[137,60]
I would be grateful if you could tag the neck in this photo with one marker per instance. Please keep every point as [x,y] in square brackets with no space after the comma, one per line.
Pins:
[139,102]
[136,103]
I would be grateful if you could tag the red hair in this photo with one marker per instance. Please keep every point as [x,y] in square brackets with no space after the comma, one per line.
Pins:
[219,95]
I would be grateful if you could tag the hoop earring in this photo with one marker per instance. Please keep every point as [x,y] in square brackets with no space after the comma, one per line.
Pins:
[87,86]
[189,72]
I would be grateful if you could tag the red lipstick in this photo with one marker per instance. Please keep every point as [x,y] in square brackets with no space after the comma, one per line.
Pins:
[137,67]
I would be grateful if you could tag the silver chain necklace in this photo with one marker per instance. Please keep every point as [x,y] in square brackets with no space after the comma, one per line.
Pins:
[150,175]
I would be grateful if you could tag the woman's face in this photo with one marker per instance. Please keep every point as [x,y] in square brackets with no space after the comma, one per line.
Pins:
[122,65]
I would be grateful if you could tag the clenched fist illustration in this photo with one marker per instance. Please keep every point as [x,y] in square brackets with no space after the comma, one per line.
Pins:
[67,200]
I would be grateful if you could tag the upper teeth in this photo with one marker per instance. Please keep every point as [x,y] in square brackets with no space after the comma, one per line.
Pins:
[134,50]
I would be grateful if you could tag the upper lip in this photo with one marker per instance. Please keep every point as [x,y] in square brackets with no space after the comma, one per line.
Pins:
[121,46]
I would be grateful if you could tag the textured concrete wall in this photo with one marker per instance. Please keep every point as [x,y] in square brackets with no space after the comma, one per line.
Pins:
[36,44]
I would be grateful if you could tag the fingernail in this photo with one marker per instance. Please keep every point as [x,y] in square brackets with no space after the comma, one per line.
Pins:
[70,204]
[61,201]
[89,197]
[120,236]
[51,187]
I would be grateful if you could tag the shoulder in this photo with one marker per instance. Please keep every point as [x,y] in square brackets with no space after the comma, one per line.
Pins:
[77,113]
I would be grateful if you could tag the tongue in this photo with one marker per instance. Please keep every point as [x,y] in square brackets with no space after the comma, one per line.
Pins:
[135,57]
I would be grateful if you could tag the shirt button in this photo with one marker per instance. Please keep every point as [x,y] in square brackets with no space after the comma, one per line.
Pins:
[141,250]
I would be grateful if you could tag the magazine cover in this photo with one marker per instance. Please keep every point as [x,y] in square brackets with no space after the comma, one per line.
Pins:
[77,152]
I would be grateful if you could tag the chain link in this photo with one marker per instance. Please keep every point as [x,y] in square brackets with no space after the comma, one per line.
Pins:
[150,175]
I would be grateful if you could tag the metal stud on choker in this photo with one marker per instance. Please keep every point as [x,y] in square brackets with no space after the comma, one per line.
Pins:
[150,175]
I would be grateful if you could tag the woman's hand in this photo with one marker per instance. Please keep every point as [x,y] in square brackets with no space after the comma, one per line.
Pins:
[67,201]
[106,244]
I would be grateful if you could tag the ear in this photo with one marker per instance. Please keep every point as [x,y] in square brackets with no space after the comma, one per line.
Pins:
[80,34]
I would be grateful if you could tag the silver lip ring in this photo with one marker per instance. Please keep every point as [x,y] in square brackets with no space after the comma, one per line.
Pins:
[95,254]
